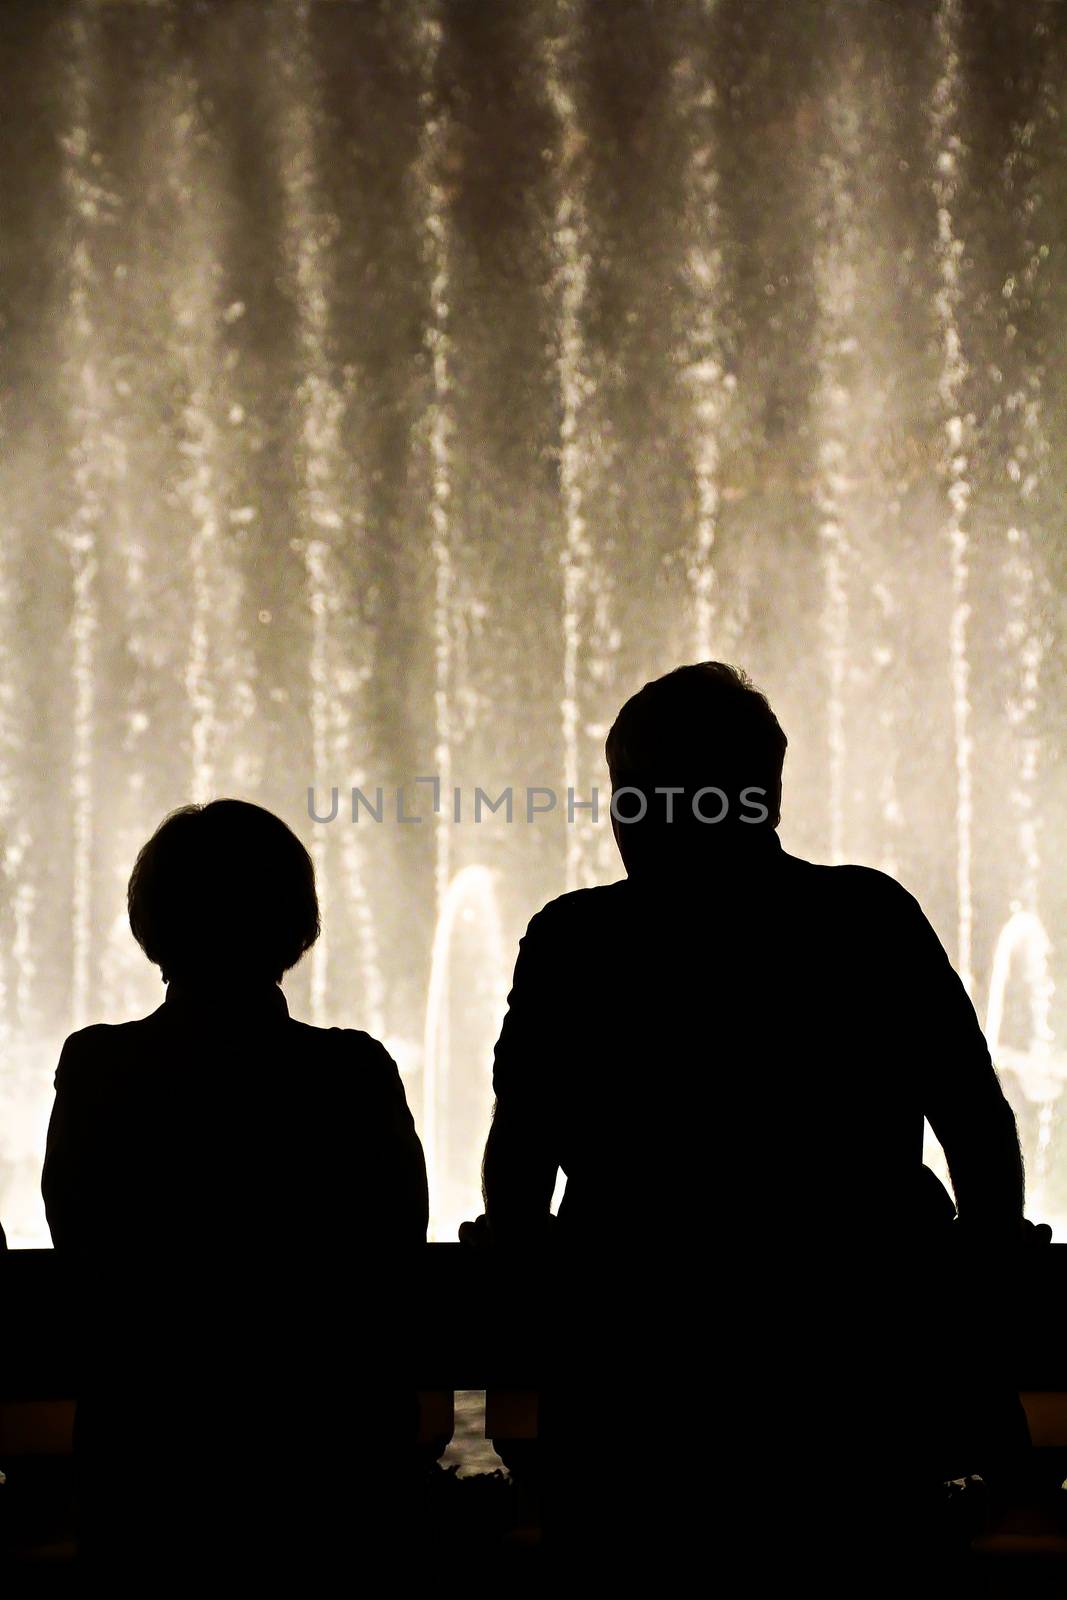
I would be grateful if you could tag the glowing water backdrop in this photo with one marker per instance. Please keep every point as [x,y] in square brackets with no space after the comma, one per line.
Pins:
[387,390]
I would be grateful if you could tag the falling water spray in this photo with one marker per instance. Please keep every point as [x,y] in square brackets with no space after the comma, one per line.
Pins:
[702,360]
[835,277]
[571,260]
[83,370]
[217,674]
[324,519]
[434,224]
[1025,634]
[433,221]
[471,898]
[948,150]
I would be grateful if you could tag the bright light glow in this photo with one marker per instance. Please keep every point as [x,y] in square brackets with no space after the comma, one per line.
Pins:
[366,421]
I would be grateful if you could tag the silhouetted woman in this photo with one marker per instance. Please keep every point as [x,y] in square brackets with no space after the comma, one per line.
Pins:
[237,1188]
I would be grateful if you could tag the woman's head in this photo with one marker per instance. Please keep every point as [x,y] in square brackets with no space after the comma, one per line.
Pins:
[223,890]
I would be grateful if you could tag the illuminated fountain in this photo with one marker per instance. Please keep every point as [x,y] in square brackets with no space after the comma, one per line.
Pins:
[571,262]
[91,463]
[835,280]
[1038,1068]
[701,356]
[330,512]
[363,422]
[948,151]
[469,976]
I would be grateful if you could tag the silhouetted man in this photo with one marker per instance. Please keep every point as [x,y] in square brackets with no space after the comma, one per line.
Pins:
[222,1175]
[730,1054]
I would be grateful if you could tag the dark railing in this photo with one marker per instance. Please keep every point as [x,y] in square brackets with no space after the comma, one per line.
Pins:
[474,1318]
[470,1312]
[469,1326]
[477,1321]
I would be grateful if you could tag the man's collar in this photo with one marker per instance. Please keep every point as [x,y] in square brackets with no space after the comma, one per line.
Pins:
[725,859]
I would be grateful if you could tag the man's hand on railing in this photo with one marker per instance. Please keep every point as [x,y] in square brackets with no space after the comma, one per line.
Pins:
[483,1235]
[476,1232]
[1023,1234]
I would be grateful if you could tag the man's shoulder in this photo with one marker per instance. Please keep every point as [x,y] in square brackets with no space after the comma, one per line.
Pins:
[850,878]
[581,906]
[857,896]
[575,926]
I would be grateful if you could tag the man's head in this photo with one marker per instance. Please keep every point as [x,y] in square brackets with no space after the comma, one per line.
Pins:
[223,892]
[708,733]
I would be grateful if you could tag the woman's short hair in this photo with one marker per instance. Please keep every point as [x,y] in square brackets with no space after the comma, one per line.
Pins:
[223,889]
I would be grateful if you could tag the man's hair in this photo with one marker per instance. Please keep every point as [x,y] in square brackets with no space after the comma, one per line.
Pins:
[702,724]
[224,889]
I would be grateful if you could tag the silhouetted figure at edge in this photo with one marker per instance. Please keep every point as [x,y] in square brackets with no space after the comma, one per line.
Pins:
[730,1054]
[227,1179]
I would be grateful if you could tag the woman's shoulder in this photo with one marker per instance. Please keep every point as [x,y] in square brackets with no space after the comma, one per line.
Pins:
[358,1068]
[89,1052]
[96,1034]
[349,1049]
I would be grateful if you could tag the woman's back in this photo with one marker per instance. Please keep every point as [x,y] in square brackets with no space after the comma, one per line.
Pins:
[239,1193]
[220,1125]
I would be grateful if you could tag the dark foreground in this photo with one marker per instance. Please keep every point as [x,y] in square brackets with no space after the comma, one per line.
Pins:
[977,1541]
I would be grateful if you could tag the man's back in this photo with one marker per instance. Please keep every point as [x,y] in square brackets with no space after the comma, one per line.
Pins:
[733,1073]
[730,1055]
[754,1046]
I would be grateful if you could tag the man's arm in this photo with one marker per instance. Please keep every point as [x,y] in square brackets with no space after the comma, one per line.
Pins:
[521,1154]
[518,1175]
[962,1097]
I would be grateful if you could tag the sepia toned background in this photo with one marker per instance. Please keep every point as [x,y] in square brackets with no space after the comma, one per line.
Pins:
[389,389]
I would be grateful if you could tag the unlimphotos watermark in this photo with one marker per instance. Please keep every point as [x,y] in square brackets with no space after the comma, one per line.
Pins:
[424,798]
